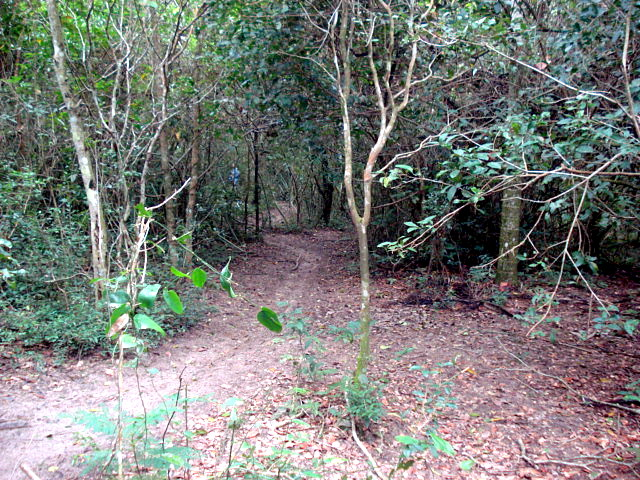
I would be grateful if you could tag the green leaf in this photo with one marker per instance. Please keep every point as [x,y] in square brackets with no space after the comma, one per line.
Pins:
[441,444]
[225,280]
[451,192]
[407,440]
[182,239]
[118,312]
[467,465]
[142,211]
[128,341]
[173,301]
[178,273]
[144,322]
[631,325]
[148,294]
[269,319]
[199,277]
[119,297]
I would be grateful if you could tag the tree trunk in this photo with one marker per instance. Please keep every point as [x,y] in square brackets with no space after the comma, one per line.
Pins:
[389,110]
[326,191]
[256,181]
[162,93]
[507,266]
[98,229]
[189,216]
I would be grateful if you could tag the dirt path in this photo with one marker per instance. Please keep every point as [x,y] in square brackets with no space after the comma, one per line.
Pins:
[222,357]
[514,406]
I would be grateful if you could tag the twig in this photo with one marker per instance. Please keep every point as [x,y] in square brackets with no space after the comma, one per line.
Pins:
[29,472]
[374,466]
[297,263]
[12,425]
[535,463]
[171,197]
[582,397]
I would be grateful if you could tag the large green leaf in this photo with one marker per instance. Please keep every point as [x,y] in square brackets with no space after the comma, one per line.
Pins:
[199,277]
[269,319]
[225,280]
[144,322]
[148,294]
[173,300]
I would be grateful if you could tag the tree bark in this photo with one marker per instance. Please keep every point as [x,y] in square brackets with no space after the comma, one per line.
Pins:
[507,266]
[98,229]
[189,216]
[256,181]
[162,93]
[326,190]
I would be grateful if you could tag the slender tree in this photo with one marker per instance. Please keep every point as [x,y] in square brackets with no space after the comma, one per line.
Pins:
[390,100]
[98,229]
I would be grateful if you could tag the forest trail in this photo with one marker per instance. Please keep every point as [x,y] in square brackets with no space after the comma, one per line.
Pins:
[225,356]
[512,401]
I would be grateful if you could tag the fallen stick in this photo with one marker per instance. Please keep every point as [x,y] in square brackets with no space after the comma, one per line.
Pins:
[29,472]
[12,425]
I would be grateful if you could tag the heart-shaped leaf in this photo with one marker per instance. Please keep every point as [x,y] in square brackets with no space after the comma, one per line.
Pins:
[148,294]
[199,277]
[173,300]
[269,319]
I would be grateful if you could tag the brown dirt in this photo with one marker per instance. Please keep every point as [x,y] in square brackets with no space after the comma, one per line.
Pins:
[519,410]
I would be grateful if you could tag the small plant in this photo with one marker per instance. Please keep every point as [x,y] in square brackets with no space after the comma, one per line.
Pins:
[632,392]
[435,397]
[363,401]
[436,393]
[146,451]
[346,334]
[610,320]
[306,362]
[537,313]
[302,403]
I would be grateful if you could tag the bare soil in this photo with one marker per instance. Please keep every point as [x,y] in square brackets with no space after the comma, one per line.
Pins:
[520,408]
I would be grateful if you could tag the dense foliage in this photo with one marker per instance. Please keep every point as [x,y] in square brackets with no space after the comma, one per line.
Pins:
[236,103]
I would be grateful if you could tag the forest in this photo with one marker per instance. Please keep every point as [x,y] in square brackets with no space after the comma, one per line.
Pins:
[336,239]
